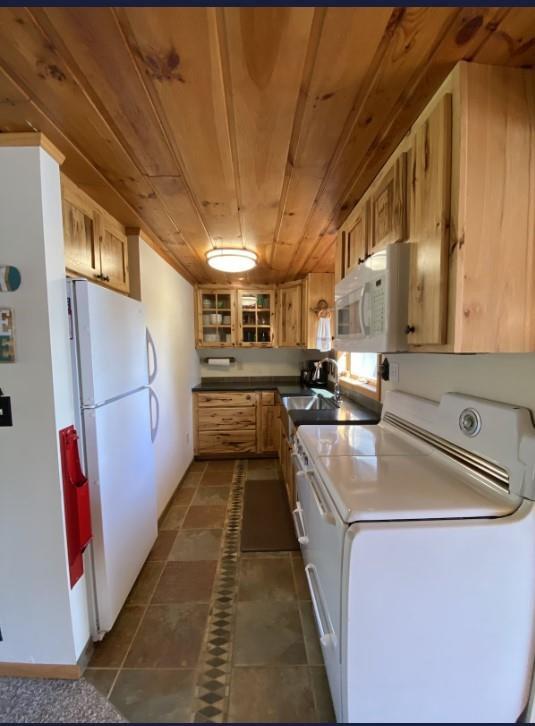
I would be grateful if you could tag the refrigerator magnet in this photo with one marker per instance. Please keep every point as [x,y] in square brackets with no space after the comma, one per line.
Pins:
[7,336]
[10,278]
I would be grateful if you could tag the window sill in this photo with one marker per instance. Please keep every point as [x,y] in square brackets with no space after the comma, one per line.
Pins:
[364,389]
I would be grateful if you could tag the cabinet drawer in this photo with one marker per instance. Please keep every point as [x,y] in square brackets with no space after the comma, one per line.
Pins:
[223,400]
[268,398]
[225,442]
[216,419]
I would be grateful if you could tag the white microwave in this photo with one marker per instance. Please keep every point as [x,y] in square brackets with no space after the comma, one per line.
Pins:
[372,303]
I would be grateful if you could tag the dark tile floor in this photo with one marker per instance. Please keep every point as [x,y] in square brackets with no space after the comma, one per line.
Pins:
[149,664]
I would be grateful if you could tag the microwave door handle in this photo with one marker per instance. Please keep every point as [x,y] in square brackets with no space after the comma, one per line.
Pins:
[361,309]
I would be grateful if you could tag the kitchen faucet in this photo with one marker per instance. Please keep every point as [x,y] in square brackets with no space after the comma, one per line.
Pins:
[316,376]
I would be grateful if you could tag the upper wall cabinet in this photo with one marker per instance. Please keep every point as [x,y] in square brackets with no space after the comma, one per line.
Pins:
[470,191]
[113,254]
[284,316]
[256,318]
[357,230]
[80,222]
[95,243]
[216,317]
[388,202]
[290,315]
[430,183]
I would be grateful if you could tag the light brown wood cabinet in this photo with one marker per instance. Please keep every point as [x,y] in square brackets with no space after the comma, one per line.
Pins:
[267,317]
[96,245]
[430,184]
[357,230]
[388,205]
[290,315]
[225,423]
[256,318]
[234,423]
[215,317]
[469,213]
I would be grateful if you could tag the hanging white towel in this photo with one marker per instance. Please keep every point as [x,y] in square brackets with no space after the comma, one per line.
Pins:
[323,333]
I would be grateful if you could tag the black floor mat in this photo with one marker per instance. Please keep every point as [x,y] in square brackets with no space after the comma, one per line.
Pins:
[267,521]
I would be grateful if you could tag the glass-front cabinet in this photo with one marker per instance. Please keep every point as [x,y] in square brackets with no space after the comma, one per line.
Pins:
[256,317]
[216,318]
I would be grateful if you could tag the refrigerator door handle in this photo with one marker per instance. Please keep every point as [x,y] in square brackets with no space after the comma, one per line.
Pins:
[154,420]
[151,356]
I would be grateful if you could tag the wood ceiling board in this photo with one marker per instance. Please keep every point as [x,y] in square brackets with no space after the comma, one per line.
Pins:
[348,42]
[265,50]
[177,52]
[105,75]
[408,43]
[17,113]
[31,59]
[513,42]
[471,28]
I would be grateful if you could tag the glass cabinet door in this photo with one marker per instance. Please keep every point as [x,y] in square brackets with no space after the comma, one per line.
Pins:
[256,313]
[216,318]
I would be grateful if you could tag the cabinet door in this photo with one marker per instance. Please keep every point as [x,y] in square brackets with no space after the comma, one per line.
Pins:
[356,230]
[430,181]
[216,318]
[266,442]
[340,257]
[81,245]
[256,318]
[113,255]
[388,206]
[290,315]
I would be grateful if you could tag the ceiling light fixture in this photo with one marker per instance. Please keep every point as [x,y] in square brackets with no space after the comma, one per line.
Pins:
[231,259]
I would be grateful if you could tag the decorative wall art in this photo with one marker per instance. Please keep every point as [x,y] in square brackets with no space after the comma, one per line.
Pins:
[7,336]
[10,278]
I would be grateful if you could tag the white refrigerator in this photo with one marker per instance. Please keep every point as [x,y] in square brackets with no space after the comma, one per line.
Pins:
[112,397]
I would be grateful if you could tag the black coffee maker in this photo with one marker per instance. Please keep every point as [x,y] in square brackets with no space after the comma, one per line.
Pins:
[307,371]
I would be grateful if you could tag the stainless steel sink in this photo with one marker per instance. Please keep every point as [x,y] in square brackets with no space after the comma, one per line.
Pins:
[307,403]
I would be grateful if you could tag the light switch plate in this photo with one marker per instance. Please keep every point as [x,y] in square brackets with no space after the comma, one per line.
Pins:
[6,419]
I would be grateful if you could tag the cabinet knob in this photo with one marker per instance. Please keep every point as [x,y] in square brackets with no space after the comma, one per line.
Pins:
[106,278]
[410,329]
[361,260]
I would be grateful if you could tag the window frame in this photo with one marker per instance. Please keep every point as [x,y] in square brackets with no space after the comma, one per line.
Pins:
[370,387]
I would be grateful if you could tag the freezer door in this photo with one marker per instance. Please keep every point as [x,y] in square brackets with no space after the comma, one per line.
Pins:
[123,498]
[111,339]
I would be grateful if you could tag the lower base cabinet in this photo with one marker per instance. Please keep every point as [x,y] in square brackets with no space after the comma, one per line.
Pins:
[234,423]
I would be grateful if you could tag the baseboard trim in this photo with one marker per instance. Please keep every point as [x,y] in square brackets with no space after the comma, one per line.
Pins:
[40,670]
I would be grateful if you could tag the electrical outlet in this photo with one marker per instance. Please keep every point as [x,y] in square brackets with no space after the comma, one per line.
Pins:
[394,372]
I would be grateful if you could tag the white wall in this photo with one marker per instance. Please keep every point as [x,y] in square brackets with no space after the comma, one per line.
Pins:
[168,300]
[42,620]
[257,361]
[509,378]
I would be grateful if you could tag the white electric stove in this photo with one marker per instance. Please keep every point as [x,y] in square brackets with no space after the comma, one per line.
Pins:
[418,537]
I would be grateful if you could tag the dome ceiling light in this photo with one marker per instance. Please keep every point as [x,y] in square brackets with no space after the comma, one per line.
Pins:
[231,259]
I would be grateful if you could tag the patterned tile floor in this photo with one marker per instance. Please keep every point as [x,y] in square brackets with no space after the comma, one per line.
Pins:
[209,634]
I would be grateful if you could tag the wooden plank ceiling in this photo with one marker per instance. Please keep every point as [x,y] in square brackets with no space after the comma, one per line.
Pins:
[239,126]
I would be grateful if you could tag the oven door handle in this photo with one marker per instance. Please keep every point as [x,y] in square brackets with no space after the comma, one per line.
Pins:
[299,525]
[322,620]
[321,503]
[298,461]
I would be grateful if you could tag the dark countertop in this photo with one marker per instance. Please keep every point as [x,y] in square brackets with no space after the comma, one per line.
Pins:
[284,387]
[349,413]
